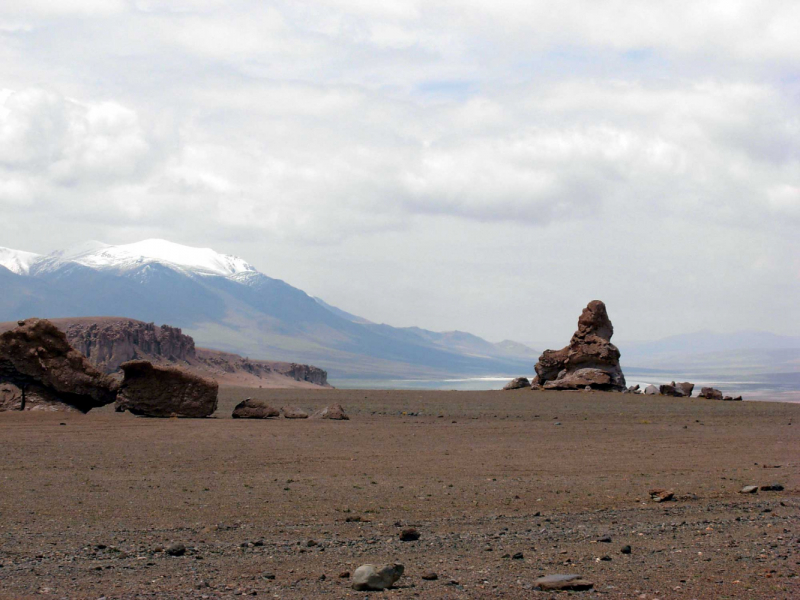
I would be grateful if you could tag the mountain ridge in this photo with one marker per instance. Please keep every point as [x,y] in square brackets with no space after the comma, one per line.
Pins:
[224,302]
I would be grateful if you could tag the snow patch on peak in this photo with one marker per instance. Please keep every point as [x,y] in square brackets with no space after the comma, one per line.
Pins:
[198,260]
[17,261]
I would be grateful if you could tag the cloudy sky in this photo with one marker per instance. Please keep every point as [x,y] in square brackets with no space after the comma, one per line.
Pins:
[483,165]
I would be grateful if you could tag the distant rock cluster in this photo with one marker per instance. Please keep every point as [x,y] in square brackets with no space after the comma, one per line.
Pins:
[591,362]
[681,390]
[260,409]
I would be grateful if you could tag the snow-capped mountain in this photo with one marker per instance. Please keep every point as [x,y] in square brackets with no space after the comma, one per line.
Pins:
[97,255]
[225,303]
[17,261]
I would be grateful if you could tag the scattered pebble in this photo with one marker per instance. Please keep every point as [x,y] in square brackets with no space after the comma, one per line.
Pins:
[176,550]
[409,535]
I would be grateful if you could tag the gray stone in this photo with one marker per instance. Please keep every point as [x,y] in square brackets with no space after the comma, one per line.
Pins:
[573,583]
[376,577]
[749,489]
[293,412]
[651,390]
[517,383]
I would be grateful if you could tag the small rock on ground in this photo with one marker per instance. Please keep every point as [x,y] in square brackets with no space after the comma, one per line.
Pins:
[569,582]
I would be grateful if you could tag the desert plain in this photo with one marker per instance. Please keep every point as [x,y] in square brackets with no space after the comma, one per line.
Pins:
[502,487]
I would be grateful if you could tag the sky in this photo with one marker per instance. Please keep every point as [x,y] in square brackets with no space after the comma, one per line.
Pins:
[486,166]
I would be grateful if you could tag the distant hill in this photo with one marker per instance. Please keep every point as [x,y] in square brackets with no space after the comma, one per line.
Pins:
[705,351]
[223,302]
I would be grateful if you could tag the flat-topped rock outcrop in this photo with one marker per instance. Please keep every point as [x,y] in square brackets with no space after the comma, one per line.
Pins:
[590,359]
[40,370]
[153,391]
[108,343]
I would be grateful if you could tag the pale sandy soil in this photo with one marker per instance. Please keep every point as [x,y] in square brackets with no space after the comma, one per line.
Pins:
[85,506]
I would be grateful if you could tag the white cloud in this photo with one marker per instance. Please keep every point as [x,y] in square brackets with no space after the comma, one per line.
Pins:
[391,129]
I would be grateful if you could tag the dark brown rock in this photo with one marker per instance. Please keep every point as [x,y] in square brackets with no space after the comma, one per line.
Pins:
[409,535]
[680,390]
[710,393]
[667,389]
[573,583]
[254,409]
[155,391]
[293,412]
[517,384]
[772,487]
[39,370]
[589,360]
[334,412]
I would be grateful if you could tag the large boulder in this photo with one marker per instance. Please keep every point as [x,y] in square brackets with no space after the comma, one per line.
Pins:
[589,360]
[151,391]
[254,409]
[517,383]
[39,370]
[651,390]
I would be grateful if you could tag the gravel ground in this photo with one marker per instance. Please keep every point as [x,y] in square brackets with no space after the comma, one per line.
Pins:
[503,487]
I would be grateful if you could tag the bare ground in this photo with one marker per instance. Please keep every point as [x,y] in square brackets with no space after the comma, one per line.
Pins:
[88,502]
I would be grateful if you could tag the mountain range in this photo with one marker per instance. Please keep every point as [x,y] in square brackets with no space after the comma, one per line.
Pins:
[225,303]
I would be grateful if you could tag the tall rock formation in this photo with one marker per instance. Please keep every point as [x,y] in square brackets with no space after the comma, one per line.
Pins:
[39,370]
[589,360]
